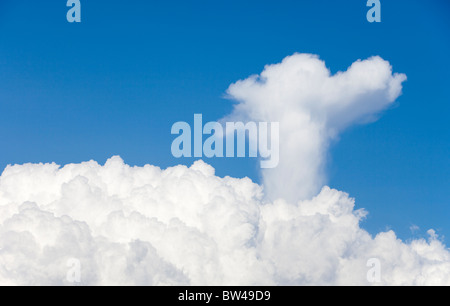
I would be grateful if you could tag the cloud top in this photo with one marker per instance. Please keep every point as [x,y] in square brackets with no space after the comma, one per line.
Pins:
[313,107]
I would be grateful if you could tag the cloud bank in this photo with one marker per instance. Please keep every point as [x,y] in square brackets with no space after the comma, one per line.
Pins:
[147,226]
[186,226]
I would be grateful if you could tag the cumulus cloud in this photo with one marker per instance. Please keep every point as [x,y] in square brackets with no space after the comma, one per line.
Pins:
[147,226]
[313,107]
[186,226]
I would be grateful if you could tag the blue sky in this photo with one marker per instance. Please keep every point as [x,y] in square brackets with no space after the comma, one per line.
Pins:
[115,84]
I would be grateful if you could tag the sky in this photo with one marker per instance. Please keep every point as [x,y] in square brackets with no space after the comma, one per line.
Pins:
[115,83]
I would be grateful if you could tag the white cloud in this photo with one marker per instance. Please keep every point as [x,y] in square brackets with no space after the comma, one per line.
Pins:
[414,228]
[313,107]
[147,226]
[130,225]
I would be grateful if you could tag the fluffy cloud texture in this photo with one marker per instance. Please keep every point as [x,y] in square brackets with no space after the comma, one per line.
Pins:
[186,226]
[147,226]
[312,107]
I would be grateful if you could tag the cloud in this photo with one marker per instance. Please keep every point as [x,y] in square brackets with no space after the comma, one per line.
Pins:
[313,107]
[186,226]
[147,226]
